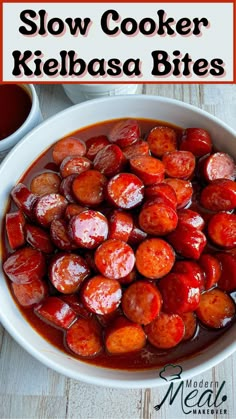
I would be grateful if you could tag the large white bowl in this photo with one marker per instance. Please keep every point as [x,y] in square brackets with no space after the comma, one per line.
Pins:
[16,164]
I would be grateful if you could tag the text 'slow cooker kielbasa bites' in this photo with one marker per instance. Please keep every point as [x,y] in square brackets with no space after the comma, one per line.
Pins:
[120,243]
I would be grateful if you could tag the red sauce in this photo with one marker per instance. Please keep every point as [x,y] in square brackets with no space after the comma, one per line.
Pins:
[15,105]
[149,357]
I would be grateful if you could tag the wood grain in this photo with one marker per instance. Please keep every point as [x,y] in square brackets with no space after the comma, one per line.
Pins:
[30,390]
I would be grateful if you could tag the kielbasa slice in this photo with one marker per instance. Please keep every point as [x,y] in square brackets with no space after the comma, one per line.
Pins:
[73,209]
[163,192]
[149,169]
[227,279]
[25,265]
[69,146]
[187,241]
[124,336]
[183,189]
[180,293]
[45,183]
[74,165]
[66,188]
[162,140]
[154,258]
[88,229]
[74,301]
[190,325]
[197,141]
[218,166]
[141,302]
[84,337]
[55,312]
[50,207]
[88,187]
[157,219]
[110,160]
[114,259]
[67,271]
[59,235]
[24,199]
[15,222]
[95,144]
[31,293]
[216,309]
[211,268]
[101,295]
[120,225]
[125,191]
[190,218]
[179,164]
[219,195]
[38,238]
[125,133]
[222,230]
[140,148]
[193,269]
[166,331]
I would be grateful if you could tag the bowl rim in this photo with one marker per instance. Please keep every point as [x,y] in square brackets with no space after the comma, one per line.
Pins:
[115,382]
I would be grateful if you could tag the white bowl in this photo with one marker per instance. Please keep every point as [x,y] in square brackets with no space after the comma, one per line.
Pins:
[27,151]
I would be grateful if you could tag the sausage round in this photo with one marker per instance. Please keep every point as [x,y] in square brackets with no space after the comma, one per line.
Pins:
[162,191]
[162,140]
[196,140]
[38,238]
[211,268]
[25,265]
[88,187]
[88,229]
[124,336]
[183,190]
[120,225]
[50,207]
[190,325]
[219,195]
[125,191]
[187,241]
[179,164]
[157,219]
[84,337]
[149,169]
[218,166]
[56,312]
[222,229]
[31,293]
[227,279]
[110,160]
[125,133]
[59,235]
[140,148]
[45,183]
[190,218]
[193,269]
[69,146]
[166,331]
[95,144]
[216,309]
[15,222]
[74,165]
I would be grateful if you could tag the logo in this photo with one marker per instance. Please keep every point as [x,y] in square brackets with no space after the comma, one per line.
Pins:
[197,398]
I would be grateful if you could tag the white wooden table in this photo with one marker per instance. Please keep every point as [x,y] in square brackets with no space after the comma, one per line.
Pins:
[30,390]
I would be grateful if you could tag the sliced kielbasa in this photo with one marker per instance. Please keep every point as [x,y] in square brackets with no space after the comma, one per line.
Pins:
[187,241]
[59,235]
[45,183]
[219,195]
[15,222]
[179,164]
[140,148]
[74,165]
[124,336]
[38,238]
[69,146]
[227,278]
[89,187]
[222,230]
[163,192]
[95,144]
[190,218]
[25,265]
[110,160]
[196,140]
[193,269]
[190,325]
[211,268]
[125,133]
[166,331]
[218,166]
[50,207]
[162,140]
[84,337]
[183,189]
[216,309]
[66,188]
[120,225]
[88,229]
[31,293]
[157,219]
[125,191]
[24,199]
[56,312]
[149,169]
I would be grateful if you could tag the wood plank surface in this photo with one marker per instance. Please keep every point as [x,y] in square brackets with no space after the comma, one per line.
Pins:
[28,389]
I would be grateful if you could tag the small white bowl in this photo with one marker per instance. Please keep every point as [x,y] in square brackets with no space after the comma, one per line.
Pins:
[33,119]
[17,162]
[80,92]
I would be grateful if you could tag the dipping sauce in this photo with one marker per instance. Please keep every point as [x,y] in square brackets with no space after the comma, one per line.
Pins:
[15,105]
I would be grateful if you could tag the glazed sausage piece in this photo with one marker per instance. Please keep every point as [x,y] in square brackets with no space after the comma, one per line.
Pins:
[120,225]
[38,238]
[137,235]
[31,293]
[66,188]
[67,271]
[101,295]
[73,300]
[149,169]
[74,165]
[157,219]
[219,195]
[187,241]
[15,222]
[24,199]
[192,269]
[125,191]
[50,207]
[59,235]
[55,312]
[95,144]
[222,230]
[88,229]
[162,140]
[180,293]
[179,164]
[110,160]
[73,209]
[211,268]
[140,148]
[114,259]
[88,188]
[154,258]
[216,309]
[166,331]
[25,265]
[218,166]
[162,192]
[124,336]
[69,146]
[125,133]
[84,337]
[45,183]
[183,190]
[190,325]
[196,140]
[106,320]
[227,280]
[190,218]
[141,302]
